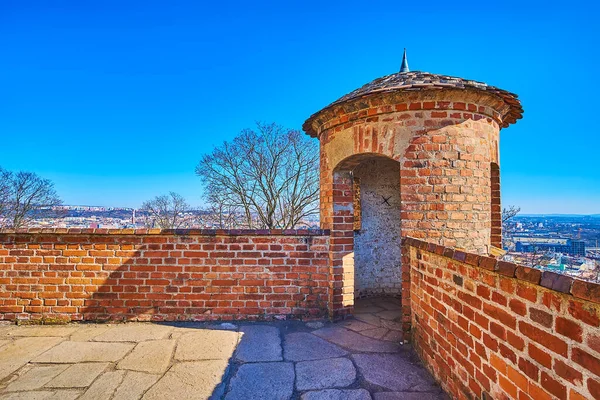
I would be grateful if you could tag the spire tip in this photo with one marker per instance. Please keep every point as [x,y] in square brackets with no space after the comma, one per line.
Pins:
[404,66]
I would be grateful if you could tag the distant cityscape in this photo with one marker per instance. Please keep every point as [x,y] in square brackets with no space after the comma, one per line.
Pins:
[566,244]
[123,217]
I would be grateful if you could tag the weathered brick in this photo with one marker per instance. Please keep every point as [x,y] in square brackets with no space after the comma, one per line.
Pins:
[586,360]
[553,386]
[541,317]
[567,372]
[569,329]
[584,312]
[586,290]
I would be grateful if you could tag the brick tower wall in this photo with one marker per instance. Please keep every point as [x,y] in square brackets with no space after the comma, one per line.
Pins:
[445,141]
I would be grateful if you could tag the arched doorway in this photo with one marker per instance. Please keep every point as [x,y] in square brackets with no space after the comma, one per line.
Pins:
[377,258]
[366,238]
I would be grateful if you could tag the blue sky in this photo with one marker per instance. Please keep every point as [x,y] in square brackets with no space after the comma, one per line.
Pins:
[115,101]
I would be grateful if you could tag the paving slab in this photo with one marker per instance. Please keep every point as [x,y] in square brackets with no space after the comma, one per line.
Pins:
[35,377]
[152,356]
[306,346]
[377,333]
[396,326]
[410,396]
[41,331]
[337,394]
[43,395]
[356,325]
[262,381]
[259,343]
[88,332]
[354,341]
[76,352]
[134,384]
[206,345]
[189,380]
[315,324]
[391,305]
[104,386]
[394,336]
[367,309]
[134,332]
[393,315]
[78,375]
[394,372]
[368,318]
[324,374]
[20,351]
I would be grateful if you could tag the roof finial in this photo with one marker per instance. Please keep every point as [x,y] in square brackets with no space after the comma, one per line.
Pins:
[404,66]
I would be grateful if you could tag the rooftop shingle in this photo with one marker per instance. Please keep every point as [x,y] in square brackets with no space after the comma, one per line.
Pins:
[417,80]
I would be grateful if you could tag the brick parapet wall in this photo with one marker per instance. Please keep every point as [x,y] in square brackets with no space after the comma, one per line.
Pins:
[85,274]
[493,329]
[181,232]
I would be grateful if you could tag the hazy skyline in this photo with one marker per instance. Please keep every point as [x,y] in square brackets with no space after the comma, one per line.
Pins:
[115,102]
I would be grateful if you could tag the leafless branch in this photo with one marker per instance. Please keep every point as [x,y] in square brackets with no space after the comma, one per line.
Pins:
[510,212]
[166,212]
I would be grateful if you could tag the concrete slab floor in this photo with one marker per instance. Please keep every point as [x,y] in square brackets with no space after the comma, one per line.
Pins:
[360,358]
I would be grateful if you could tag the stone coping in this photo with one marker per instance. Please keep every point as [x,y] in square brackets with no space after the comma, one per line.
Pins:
[578,288]
[183,232]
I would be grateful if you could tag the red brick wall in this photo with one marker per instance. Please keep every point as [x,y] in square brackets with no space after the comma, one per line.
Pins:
[101,274]
[492,329]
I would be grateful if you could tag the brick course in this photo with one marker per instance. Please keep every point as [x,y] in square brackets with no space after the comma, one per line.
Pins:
[501,330]
[85,274]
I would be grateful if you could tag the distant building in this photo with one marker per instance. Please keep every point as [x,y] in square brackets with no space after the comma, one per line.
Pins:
[558,245]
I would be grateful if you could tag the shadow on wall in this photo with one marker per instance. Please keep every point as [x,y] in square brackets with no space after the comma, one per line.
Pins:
[212,278]
[164,277]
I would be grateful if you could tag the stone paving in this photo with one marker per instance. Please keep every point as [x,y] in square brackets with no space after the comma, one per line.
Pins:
[357,359]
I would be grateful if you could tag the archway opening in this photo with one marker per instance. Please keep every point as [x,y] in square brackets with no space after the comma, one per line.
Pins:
[367,256]
[377,241]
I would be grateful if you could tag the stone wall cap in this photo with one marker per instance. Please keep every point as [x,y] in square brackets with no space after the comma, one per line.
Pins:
[184,232]
[417,80]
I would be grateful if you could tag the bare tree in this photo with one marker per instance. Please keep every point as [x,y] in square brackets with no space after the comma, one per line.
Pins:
[535,257]
[268,177]
[4,194]
[221,213]
[166,211]
[510,212]
[23,196]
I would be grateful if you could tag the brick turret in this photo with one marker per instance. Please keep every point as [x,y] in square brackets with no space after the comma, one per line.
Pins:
[443,132]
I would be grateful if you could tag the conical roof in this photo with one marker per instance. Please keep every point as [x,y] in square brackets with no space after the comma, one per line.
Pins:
[417,81]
